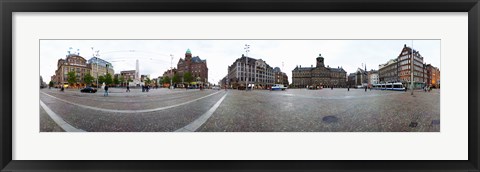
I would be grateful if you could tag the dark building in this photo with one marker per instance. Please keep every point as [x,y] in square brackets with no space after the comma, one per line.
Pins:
[319,75]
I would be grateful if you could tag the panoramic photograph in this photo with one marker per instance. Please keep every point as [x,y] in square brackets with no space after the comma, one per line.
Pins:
[239,85]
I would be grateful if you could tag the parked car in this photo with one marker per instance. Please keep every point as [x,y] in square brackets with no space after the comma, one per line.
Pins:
[88,90]
[216,88]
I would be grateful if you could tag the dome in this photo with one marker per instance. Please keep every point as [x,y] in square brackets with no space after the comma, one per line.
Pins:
[188,51]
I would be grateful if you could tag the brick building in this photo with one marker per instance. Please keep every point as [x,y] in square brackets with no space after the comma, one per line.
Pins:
[72,63]
[196,66]
[280,77]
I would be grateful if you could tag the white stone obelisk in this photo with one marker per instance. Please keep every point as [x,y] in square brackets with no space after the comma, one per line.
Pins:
[137,73]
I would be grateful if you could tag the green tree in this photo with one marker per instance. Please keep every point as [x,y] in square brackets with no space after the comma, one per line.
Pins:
[71,77]
[108,79]
[116,81]
[166,80]
[101,80]
[148,81]
[50,84]
[121,80]
[175,78]
[88,79]
[187,77]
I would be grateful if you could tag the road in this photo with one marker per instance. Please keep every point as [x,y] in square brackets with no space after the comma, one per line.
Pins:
[293,110]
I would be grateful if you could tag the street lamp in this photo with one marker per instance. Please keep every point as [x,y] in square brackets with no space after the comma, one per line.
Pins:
[171,70]
[411,70]
[247,49]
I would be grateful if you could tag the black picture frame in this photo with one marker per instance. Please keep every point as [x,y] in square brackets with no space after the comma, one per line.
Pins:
[9,6]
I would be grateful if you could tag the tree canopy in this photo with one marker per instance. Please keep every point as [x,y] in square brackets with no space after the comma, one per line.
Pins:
[71,77]
[88,79]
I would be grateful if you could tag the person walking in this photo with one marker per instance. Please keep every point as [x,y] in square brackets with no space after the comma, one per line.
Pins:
[128,88]
[348,88]
[365,89]
[106,90]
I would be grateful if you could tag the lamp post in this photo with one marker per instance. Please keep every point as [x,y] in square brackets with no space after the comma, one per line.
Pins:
[171,70]
[411,70]
[247,49]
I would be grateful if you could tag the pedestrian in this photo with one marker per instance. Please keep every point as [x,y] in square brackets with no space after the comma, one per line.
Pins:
[106,90]
[332,87]
[365,89]
[348,88]
[128,88]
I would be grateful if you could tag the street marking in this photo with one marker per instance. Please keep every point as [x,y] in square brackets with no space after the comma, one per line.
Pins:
[57,119]
[132,111]
[193,126]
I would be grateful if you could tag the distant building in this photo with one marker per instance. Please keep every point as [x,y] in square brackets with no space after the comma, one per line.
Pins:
[433,76]
[196,66]
[351,79]
[373,77]
[103,68]
[259,73]
[388,72]
[319,75]
[280,77]
[129,77]
[361,77]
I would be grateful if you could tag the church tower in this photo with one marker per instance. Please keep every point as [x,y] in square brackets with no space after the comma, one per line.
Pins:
[188,55]
[320,62]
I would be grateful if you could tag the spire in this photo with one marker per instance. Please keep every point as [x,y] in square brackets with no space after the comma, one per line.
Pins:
[365,66]
[188,51]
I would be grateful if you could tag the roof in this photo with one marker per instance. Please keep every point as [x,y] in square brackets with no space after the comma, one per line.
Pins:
[197,59]
[188,51]
[336,69]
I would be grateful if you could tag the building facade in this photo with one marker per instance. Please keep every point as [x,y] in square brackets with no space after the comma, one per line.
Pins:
[388,72]
[128,75]
[196,66]
[401,68]
[373,77]
[99,67]
[255,71]
[361,77]
[72,63]
[405,65]
[280,77]
[351,79]
[319,75]
[433,76]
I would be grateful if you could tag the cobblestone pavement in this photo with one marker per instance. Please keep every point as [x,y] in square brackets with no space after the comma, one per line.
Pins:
[293,110]
[326,110]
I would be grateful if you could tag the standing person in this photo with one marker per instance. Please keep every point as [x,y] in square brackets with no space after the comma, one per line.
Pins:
[128,88]
[365,89]
[106,90]
[348,88]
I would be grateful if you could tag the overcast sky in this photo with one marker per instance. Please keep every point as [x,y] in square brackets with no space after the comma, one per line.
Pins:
[154,55]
